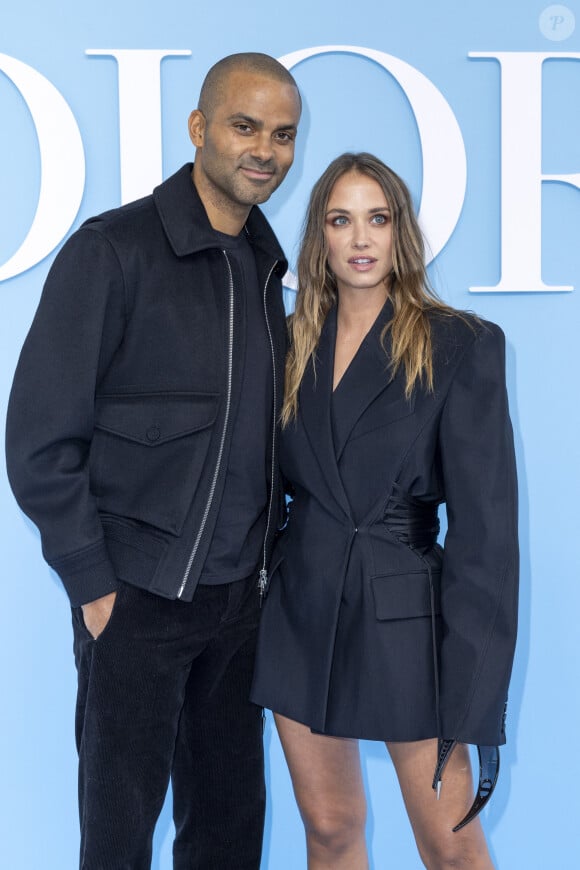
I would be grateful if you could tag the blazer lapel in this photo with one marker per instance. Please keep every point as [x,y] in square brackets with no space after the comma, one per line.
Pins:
[365,379]
[315,407]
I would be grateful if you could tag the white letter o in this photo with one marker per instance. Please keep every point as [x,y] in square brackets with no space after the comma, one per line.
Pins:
[62,166]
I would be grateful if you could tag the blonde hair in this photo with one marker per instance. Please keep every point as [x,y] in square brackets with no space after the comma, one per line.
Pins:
[409,291]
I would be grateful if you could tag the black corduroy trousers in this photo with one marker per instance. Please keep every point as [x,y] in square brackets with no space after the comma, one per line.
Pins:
[163,694]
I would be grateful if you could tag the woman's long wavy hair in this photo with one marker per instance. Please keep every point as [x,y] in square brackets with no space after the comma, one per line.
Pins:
[411,296]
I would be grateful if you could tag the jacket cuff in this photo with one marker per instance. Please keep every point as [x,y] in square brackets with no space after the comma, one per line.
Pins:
[87,575]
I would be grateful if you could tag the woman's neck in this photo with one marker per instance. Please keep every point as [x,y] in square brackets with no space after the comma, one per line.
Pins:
[357,311]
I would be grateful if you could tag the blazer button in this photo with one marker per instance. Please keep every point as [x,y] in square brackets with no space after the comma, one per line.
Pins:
[153,433]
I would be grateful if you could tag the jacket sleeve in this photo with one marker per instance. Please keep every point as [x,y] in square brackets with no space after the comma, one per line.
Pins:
[480,563]
[77,327]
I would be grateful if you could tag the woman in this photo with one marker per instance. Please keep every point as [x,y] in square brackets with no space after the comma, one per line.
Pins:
[394,404]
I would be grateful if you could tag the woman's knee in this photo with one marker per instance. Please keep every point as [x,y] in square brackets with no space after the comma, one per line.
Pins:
[453,852]
[335,831]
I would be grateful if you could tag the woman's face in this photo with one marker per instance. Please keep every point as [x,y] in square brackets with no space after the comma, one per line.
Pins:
[358,233]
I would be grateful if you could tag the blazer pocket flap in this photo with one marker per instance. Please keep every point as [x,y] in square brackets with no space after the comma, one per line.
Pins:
[405,596]
[154,419]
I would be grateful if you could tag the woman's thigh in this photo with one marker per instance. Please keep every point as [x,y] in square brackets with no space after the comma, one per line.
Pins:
[326,773]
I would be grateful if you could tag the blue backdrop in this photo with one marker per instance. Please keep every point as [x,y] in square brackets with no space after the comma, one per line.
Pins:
[475,105]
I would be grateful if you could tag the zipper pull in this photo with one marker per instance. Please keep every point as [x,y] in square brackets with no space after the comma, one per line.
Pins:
[262,582]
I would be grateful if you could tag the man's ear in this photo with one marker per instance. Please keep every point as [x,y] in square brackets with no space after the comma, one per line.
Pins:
[196,127]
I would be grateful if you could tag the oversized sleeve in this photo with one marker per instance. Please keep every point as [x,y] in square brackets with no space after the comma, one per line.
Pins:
[76,330]
[479,581]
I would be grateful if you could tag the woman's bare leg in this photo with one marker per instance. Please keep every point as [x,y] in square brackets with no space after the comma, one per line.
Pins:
[432,820]
[328,786]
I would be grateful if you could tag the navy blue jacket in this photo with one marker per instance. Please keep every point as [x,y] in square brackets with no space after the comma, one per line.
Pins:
[370,628]
[123,401]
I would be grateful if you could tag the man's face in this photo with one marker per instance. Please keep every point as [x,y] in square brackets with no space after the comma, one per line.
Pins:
[246,147]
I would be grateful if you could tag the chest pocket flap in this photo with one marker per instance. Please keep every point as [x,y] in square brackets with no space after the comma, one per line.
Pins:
[152,419]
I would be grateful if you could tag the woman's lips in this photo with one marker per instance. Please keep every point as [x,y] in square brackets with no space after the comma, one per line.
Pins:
[362,264]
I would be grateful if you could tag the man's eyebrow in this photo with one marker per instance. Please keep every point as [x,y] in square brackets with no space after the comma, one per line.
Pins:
[239,116]
[247,119]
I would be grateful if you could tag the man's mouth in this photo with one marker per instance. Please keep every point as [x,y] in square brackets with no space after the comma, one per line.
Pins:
[257,174]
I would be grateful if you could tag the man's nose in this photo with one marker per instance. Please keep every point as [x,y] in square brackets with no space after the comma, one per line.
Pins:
[262,147]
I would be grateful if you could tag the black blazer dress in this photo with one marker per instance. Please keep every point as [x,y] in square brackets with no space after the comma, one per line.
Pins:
[370,628]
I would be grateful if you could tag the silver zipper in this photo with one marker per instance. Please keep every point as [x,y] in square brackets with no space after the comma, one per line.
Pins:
[263,575]
[223,438]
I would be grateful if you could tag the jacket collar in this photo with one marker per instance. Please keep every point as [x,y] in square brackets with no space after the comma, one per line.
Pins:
[186,224]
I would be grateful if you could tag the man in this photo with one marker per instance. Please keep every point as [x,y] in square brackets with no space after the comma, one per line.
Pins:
[141,439]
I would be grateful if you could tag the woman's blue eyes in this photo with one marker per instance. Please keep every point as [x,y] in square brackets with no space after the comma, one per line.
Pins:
[377,219]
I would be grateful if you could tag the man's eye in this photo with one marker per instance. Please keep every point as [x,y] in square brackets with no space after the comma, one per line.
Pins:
[245,129]
[285,137]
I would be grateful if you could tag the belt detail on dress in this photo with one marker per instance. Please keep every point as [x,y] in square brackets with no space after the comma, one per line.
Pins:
[412,521]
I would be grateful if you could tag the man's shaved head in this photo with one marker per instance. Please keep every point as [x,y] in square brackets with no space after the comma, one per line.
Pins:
[215,81]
